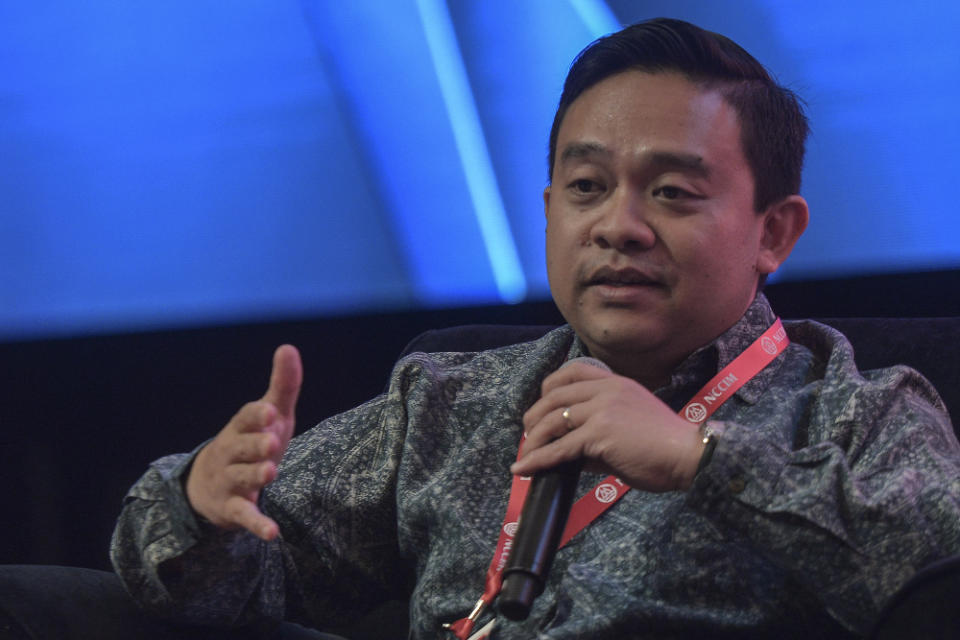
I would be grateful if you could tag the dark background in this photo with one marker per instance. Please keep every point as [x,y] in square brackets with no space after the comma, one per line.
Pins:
[175,164]
[81,418]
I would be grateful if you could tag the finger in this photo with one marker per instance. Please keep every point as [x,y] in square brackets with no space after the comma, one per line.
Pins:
[572,372]
[285,380]
[253,447]
[249,477]
[560,397]
[552,426]
[245,514]
[569,447]
[254,416]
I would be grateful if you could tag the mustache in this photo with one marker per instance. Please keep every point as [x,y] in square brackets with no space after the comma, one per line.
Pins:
[623,276]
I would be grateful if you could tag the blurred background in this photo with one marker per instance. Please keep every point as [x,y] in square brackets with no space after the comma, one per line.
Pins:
[184,185]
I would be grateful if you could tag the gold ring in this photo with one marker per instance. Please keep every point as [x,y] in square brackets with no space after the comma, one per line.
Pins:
[565,414]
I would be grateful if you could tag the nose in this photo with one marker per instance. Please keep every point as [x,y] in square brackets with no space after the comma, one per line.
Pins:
[623,225]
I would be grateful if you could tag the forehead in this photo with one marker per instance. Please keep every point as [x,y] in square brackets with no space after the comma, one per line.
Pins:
[634,113]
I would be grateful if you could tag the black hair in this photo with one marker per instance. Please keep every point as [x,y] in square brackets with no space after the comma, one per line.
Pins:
[773,126]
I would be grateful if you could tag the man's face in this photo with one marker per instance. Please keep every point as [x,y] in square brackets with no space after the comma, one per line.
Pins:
[652,238]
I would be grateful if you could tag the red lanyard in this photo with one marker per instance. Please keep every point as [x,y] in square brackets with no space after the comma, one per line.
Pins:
[588,508]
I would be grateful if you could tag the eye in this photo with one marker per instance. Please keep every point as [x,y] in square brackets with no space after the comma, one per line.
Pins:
[670,193]
[584,186]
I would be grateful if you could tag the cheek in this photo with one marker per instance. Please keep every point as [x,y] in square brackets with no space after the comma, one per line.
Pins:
[692,246]
[561,245]
[712,256]
[562,254]
[731,261]
[551,250]
[554,253]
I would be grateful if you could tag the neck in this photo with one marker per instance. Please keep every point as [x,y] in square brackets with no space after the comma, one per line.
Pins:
[647,369]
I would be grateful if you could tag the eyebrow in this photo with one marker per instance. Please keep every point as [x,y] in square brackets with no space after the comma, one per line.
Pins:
[687,162]
[580,150]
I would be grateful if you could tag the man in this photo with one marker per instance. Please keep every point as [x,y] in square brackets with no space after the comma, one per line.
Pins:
[791,496]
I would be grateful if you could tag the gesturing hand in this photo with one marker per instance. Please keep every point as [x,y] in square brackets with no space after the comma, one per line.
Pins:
[615,424]
[228,474]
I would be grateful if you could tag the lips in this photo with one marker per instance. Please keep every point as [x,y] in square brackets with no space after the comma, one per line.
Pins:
[624,277]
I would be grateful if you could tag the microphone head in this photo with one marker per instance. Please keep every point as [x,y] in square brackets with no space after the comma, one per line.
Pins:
[588,360]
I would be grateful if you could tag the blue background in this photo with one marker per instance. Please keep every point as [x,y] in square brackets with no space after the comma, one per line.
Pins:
[195,163]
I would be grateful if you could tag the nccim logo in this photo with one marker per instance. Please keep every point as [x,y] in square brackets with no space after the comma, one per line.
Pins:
[768,345]
[696,412]
[606,493]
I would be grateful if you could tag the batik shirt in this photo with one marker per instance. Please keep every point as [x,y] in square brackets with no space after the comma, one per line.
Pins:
[827,489]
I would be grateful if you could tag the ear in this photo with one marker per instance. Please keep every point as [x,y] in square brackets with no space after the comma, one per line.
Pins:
[783,224]
[546,202]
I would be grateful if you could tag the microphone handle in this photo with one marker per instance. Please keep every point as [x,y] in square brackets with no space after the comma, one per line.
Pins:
[542,521]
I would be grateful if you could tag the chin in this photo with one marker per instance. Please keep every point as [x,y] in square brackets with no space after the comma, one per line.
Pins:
[616,340]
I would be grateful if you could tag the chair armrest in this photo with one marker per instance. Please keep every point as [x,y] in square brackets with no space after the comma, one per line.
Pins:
[927,606]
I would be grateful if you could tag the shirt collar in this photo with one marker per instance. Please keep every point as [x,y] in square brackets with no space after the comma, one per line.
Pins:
[708,360]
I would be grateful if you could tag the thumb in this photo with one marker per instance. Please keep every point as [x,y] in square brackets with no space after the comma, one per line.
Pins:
[285,380]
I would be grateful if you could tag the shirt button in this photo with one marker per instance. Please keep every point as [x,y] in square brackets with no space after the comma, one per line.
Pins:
[737,484]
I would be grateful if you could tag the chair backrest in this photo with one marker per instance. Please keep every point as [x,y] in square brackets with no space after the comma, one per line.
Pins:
[929,345]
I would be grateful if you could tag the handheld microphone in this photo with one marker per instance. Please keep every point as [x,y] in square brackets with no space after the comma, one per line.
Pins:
[544,516]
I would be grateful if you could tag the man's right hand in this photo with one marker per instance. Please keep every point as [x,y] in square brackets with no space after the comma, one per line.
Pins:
[228,474]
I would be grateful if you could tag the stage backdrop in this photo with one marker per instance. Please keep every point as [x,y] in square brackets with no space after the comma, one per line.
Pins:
[197,162]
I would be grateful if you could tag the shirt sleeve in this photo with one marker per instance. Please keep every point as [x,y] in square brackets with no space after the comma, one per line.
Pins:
[850,490]
[337,532]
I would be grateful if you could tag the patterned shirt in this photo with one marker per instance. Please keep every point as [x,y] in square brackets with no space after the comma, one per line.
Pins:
[827,489]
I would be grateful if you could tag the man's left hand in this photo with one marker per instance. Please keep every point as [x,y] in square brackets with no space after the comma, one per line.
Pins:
[615,424]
